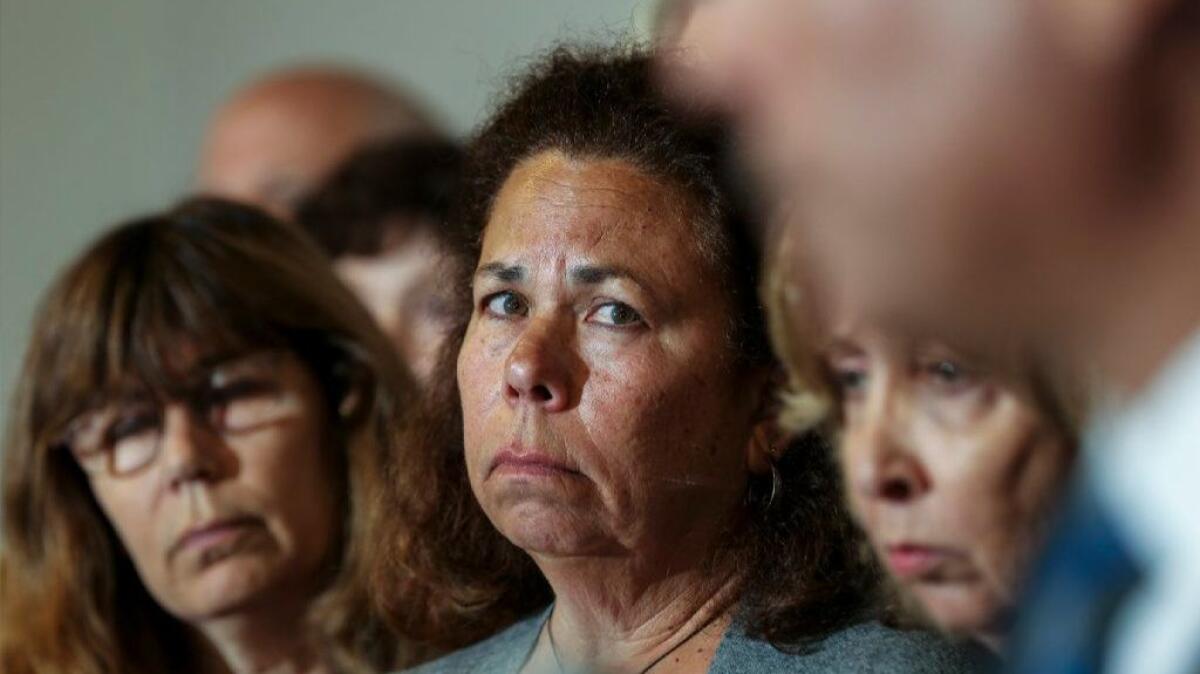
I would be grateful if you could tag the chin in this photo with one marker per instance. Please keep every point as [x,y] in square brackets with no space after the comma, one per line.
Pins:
[546,528]
[227,588]
[959,608]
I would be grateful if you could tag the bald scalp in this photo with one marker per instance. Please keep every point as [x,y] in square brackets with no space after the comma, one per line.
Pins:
[329,91]
[276,138]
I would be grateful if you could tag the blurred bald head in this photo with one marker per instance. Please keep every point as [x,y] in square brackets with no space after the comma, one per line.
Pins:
[274,140]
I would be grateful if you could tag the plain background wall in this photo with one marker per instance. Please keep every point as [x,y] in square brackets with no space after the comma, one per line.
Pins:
[103,103]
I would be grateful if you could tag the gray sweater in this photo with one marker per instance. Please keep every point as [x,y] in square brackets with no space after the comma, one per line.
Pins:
[867,647]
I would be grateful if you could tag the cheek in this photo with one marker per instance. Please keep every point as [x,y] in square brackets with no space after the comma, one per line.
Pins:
[667,419]
[292,478]
[1007,460]
[470,372]
[616,417]
[1002,487]
[854,457]
[862,508]
[134,514]
[618,400]
[1043,468]
[480,383]
[1034,474]
[481,358]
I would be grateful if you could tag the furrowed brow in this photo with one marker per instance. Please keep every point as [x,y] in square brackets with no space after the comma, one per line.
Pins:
[509,273]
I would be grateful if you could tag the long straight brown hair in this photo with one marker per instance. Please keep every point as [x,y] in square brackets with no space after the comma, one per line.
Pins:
[221,276]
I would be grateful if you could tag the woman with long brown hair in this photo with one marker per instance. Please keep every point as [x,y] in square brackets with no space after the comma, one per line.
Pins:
[195,457]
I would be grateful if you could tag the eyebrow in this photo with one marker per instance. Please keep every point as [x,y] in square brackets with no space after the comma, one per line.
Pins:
[584,274]
[591,275]
[587,274]
[509,273]
[595,274]
[838,346]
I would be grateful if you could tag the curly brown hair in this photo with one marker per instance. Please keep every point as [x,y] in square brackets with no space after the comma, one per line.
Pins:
[230,278]
[806,572]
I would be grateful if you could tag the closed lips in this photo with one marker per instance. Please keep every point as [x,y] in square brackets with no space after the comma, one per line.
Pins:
[910,560]
[198,534]
[530,462]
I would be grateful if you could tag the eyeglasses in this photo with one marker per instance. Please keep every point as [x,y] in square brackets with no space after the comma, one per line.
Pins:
[233,398]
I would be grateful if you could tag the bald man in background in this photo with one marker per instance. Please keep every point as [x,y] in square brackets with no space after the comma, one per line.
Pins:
[278,137]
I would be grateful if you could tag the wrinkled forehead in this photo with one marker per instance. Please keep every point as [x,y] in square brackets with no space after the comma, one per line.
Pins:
[555,207]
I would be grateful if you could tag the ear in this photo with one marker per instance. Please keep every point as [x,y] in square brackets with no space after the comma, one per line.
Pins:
[767,440]
[352,403]
[764,447]
[1106,32]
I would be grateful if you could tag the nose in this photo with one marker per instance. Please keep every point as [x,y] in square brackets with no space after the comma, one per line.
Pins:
[886,469]
[189,450]
[898,479]
[541,368]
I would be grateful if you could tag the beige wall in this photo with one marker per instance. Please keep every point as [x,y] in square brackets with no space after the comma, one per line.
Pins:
[103,102]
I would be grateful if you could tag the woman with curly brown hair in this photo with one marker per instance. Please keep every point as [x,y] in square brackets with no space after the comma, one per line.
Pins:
[195,458]
[616,396]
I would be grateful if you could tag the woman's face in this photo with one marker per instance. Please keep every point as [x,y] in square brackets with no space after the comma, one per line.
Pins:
[402,288]
[225,502]
[949,470]
[603,410]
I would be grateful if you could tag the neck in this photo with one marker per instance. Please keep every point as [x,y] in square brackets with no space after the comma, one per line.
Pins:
[626,614]
[273,640]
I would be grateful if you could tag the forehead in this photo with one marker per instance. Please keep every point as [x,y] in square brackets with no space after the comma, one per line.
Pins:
[409,261]
[170,368]
[259,140]
[556,205]
[814,289]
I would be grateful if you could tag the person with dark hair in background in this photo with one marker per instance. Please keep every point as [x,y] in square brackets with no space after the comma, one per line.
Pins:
[616,391]
[1013,170]
[381,217]
[275,139]
[196,459]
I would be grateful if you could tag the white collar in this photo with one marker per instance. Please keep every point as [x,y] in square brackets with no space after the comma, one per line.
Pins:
[1145,463]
